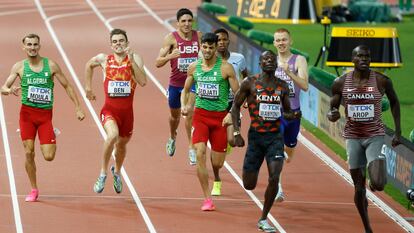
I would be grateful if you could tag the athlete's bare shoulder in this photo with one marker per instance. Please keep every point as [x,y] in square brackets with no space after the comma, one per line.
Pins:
[169,40]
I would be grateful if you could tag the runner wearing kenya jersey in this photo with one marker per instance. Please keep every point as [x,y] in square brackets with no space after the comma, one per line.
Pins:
[123,70]
[180,48]
[266,96]
[362,91]
[37,75]
[212,78]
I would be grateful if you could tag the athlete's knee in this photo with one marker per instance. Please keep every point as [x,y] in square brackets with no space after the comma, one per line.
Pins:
[112,138]
[49,157]
[249,185]
[273,179]
[30,156]
[360,189]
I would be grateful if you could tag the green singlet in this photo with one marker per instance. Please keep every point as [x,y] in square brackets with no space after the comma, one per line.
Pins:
[37,87]
[212,89]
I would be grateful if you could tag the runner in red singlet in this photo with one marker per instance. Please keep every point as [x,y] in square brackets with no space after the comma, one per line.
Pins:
[181,48]
[362,91]
[123,70]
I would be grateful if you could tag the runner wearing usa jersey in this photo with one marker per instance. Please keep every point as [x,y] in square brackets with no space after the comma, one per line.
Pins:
[123,70]
[180,48]
[362,91]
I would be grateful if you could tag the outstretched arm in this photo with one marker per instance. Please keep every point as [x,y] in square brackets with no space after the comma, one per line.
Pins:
[94,62]
[58,74]
[7,87]
[395,110]
[239,98]
[333,114]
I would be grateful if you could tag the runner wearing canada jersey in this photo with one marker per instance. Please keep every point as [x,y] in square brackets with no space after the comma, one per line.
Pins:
[123,70]
[180,48]
[362,91]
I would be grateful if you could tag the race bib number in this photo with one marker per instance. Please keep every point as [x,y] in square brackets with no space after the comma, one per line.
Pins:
[183,63]
[119,88]
[269,112]
[39,95]
[364,112]
[208,90]
[291,85]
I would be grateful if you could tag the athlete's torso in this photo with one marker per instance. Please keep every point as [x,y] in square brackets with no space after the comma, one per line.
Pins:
[266,110]
[188,54]
[37,87]
[362,108]
[212,89]
[119,86]
[294,90]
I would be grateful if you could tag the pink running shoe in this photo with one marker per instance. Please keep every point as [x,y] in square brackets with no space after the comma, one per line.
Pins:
[33,195]
[208,205]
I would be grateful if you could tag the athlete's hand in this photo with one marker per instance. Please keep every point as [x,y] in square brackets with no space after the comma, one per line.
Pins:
[90,95]
[130,53]
[238,141]
[396,140]
[185,110]
[80,114]
[333,114]
[15,90]
[227,120]
[174,54]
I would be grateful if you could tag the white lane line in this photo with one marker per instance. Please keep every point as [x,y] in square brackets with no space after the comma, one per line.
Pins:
[344,174]
[93,113]
[12,183]
[226,165]
[135,15]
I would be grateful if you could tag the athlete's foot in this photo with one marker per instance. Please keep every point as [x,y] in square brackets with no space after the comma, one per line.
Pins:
[192,156]
[33,195]
[99,185]
[208,205]
[216,191]
[287,158]
[170,147]
[280,197]
[263,225]
[117,181]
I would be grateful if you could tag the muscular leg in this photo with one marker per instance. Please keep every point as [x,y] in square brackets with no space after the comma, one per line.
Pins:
[250,179]
[230,136]
[174,120]
[217,161]
[360,199]
[274,169]
[202,172]
[111,129]
[377,174]
[120,152]
[30,164]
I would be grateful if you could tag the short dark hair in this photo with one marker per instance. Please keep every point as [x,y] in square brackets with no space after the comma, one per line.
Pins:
[210,38]
[183,11]
[31,35]
[360,47]
[221,30]
[118,31]
[267,51]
